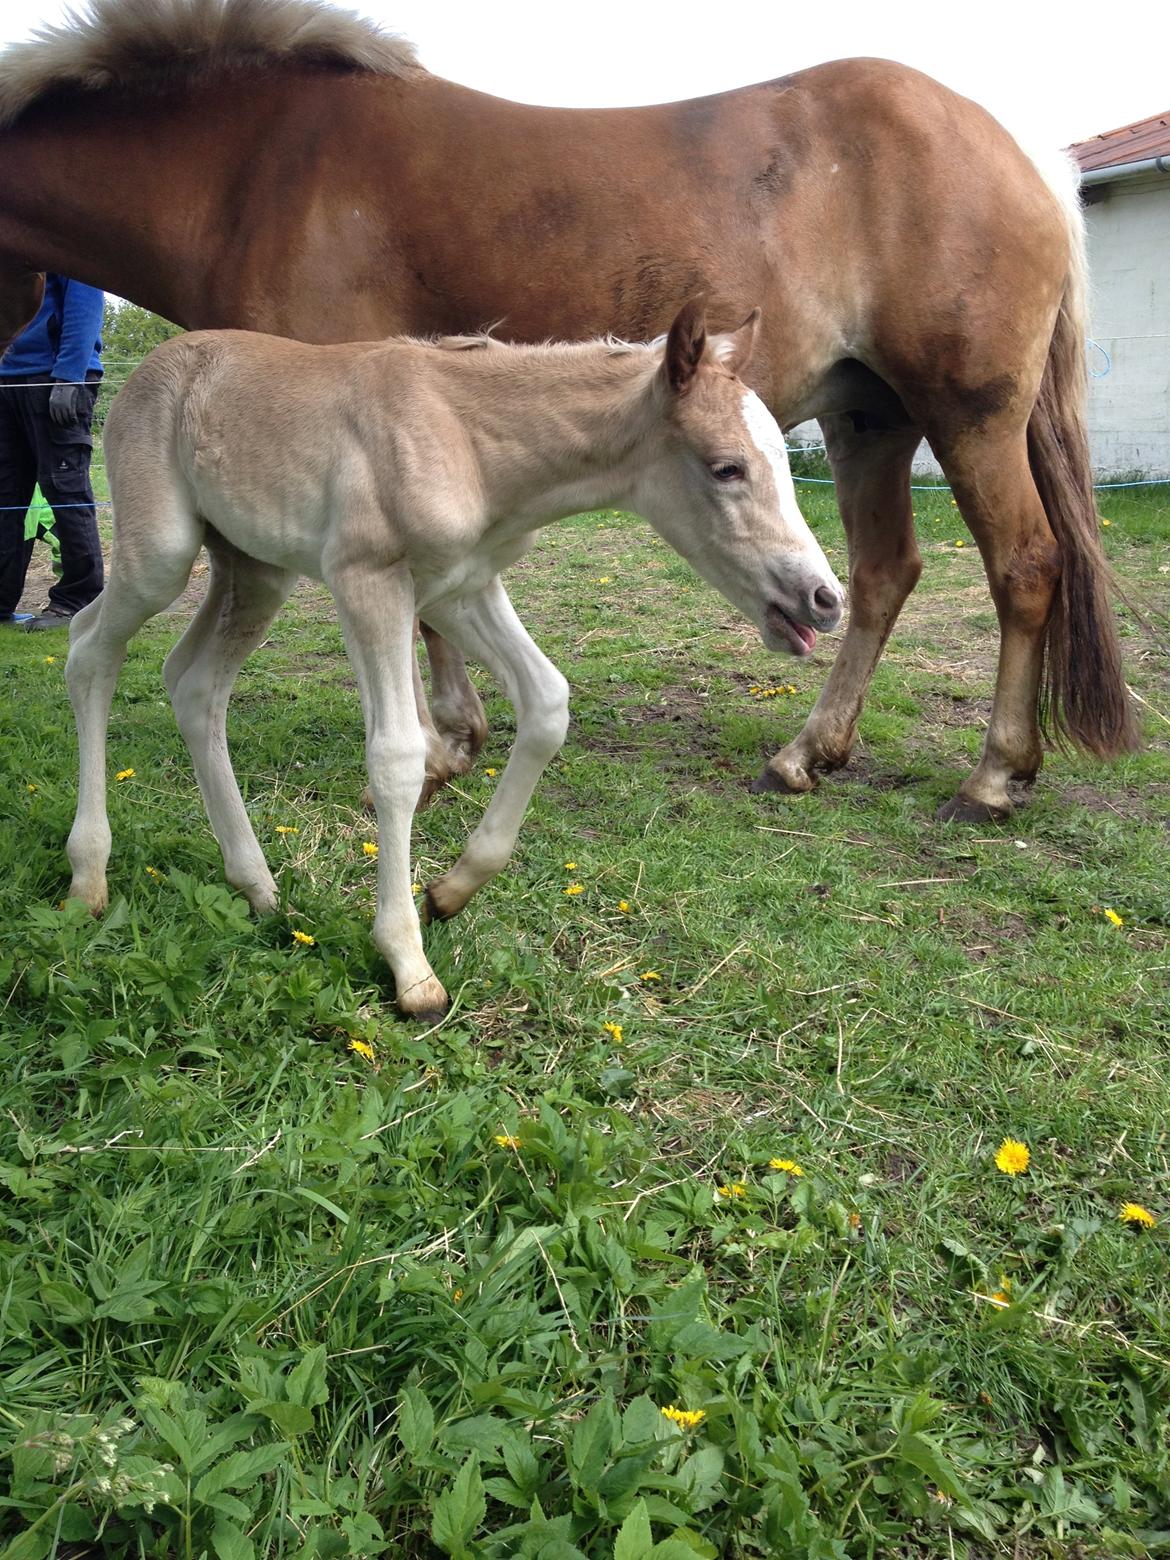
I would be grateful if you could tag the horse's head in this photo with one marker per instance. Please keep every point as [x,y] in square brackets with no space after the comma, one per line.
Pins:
[720,491]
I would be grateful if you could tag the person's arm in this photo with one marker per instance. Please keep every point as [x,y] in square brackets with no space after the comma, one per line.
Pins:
[81,325]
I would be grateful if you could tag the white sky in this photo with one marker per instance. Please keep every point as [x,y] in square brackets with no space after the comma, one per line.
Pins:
[1051,77]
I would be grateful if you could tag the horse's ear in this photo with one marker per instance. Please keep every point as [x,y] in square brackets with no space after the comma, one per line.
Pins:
[685,344]
[734,350]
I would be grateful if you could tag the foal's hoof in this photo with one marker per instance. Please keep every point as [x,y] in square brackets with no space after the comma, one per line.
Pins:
[439,903]
[426,1002]
[96,900]
[772,780]
[960,809]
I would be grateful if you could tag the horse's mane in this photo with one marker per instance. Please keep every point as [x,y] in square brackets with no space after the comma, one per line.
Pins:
[156,42]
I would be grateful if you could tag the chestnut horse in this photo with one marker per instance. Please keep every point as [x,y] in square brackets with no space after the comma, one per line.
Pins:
[289,169]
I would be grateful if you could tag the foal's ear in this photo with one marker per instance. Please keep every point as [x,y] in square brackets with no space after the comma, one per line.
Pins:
[685,345]
[734,349]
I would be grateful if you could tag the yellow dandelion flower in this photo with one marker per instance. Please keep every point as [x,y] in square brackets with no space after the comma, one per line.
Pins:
[624,906]
[1012,1157]
[416,888]
[153,872]
[791,688]
[369,848]
[1135,1214]
[506,1140]
[603,579]
[286,828]
[456,1295]
[124,774]
[613,1029]
[570,866]
[366,1052]
[50,660]
[574,888]
[491,773]
[684,1418]
[735,1189]
[1107,522]
[1003,1295]
[854,1221]
[650,975]
[1112,917]
[32,787]
[304,939]
[960,543]
[788,1165]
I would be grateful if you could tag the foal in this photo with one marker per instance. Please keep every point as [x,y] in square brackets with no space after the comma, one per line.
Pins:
[407,475]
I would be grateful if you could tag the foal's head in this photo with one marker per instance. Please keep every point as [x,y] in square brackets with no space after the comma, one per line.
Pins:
[720,491]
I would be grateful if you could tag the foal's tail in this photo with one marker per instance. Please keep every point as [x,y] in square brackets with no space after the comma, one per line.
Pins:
[1083,698]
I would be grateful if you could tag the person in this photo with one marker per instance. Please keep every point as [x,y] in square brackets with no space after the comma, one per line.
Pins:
[49,380]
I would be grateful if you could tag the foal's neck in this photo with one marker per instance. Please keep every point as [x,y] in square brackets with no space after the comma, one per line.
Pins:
[557,430]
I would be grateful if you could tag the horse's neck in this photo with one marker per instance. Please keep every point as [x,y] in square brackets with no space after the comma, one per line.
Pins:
[557,435]
[91,202]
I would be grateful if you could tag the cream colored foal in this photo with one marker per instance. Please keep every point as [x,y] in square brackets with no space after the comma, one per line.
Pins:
[407,475]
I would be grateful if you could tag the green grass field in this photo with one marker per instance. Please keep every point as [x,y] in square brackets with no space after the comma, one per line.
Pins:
[283,1276]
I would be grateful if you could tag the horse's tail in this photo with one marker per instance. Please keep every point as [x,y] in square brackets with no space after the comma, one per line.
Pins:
[1083,698]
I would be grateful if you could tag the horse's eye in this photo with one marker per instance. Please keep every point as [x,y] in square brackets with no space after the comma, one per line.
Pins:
[726,471]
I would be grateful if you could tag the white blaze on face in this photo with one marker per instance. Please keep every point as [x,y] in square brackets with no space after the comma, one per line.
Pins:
[766,435]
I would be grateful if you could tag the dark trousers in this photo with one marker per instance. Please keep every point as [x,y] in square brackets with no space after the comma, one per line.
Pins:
[34,449]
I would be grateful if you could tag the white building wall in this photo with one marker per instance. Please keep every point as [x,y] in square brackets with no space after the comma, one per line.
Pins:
[1128,226]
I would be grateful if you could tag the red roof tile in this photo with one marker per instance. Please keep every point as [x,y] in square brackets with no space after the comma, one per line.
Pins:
[1132,143]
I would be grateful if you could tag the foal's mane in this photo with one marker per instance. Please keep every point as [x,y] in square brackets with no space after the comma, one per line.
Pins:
[155,43]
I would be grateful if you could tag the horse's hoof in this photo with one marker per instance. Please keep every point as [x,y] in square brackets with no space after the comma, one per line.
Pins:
[770,780]
[430,788]
[960,809]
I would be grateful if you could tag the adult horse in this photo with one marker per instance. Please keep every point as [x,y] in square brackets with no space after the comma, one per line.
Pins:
[287,168]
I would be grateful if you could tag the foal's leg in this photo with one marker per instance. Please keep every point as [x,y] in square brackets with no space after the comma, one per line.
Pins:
[157,543]
[486,627]
[871,470]
[993,484]
[376,608]
[243,596]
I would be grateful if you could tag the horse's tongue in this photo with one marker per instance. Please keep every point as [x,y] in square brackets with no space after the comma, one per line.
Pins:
[809,635]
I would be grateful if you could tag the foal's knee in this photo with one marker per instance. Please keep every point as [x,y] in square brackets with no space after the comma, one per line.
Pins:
[546,717]
[397,767]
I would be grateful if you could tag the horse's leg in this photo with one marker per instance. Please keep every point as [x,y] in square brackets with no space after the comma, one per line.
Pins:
[871,469]
[486,627]
[376,609]
[146,573]
[243,596]
[455,704]
[992,482]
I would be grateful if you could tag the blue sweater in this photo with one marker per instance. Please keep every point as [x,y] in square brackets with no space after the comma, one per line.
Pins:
[64,341]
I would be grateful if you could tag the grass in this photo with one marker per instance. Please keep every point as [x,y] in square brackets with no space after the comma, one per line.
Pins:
[265,1294]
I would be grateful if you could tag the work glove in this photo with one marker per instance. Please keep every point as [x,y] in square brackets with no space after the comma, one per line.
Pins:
[63,404]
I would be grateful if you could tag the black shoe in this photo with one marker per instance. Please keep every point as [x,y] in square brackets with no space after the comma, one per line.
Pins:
[51,617]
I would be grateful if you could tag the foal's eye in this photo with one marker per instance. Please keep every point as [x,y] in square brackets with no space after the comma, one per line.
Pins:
[726,471]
